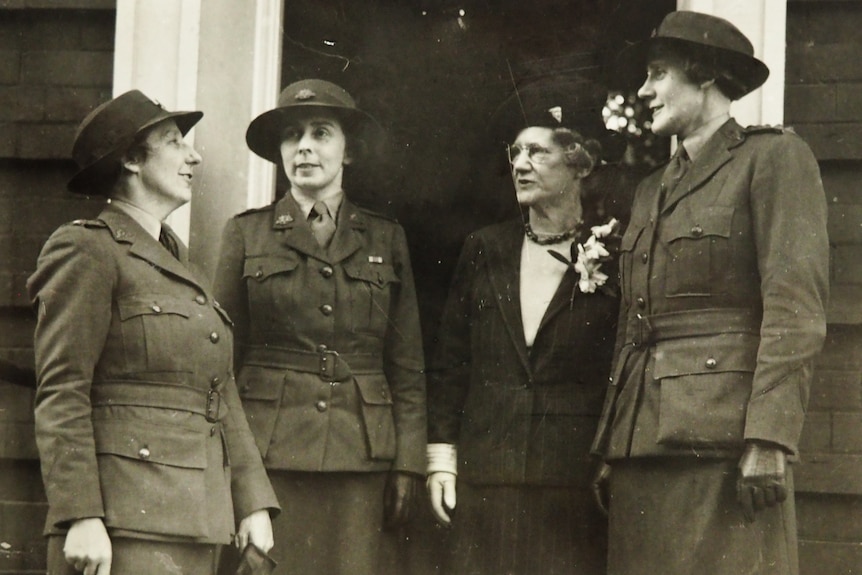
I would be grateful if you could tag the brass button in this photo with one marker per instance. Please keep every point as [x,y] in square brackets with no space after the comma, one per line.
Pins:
[321,348]
[326,309]
[201,299]
[156,308]
[258,274]
[697,231]
[321,406]
[214,381]
[644,257]
[641,302]
[245,388]
[144,453]
[326,271]
[711,363]
[636,344]
[214,337]
[212,430]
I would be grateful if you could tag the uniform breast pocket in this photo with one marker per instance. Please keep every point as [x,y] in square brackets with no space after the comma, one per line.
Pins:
[153,329]
[269,280]
[698,251]
[371,287]
[627,247]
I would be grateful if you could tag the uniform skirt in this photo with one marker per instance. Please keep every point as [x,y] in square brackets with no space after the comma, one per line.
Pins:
[680,517]
[332,523]
[526,530]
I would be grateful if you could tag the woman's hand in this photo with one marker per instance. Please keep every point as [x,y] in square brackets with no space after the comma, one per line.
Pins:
[257,529]
[398,499]
[441,489]
[600,486]
[88,547]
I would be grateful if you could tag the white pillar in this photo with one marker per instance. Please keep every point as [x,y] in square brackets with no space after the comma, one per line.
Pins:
[156,51]
[764,22]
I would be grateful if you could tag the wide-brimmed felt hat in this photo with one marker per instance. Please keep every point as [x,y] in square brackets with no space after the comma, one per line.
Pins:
[555,102]
[264,132]
[107,133]
[704,37]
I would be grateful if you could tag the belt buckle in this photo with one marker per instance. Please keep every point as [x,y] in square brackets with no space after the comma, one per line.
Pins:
[213,405]
[328,364]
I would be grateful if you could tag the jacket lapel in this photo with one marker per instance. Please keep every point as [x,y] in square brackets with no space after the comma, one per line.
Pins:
[126,230]
[504,269]
[349,235]
[713,156]
[296,233]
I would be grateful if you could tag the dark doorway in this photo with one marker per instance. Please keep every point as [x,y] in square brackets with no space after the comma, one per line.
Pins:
[433,72]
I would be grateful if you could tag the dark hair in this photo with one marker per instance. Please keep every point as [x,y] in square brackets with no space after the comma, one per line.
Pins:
[701,66]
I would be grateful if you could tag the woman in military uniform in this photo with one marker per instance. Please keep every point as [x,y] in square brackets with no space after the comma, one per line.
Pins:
[328,341]
[147,458]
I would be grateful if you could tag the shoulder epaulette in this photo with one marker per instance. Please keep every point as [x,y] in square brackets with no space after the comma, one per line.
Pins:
[268,208]
[374,214]
[88,223]
[766,129]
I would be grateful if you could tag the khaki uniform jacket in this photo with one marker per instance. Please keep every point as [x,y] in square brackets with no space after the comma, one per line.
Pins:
[724,290]
[328,341]
[138,420]
[518,415]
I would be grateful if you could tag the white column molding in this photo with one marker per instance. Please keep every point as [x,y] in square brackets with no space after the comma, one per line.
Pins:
[764,22]
[156,51]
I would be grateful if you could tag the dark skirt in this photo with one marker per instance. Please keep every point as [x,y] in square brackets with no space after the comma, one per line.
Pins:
[678,516]
[331,523]
[143,557]
[527,530]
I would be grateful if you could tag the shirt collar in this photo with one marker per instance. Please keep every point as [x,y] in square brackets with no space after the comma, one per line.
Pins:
[695,142]
[333,201]
[148,221]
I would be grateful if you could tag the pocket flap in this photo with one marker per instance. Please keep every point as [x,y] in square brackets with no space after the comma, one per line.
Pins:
[153,305]
[378,274]
[374,390]
[713,354]
[260,383]
[262,267]
[150,442]
[712,221]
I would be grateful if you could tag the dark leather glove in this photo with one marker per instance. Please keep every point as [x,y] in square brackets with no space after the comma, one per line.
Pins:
[762,479]
[600,485]
[398,497]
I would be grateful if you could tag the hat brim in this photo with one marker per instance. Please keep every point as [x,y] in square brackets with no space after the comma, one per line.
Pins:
[632,61]
[95,178]
[263,135]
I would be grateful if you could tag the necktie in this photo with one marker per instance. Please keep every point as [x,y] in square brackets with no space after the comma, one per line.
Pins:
[322,224]
[675,170]
[167,239]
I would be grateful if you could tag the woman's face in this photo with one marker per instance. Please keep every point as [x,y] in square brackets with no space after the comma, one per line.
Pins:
[539,168]
[314,153]
[167,169]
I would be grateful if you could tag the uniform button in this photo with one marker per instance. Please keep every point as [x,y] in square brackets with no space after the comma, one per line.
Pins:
[697,231]
[156,308]
[326,309]
[258,274]
[321,348]
[214,337]
[711,363]
[144,453]
[212,430]
[245,388]
[644,257]
[321,406]
[201,299]
[214,381]
[636,343]
[326,271]
[641,302]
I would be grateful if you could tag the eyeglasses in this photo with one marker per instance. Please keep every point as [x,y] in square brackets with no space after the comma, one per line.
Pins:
[535,153]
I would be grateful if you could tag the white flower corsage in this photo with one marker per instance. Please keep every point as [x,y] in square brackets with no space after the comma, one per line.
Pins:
[588,257]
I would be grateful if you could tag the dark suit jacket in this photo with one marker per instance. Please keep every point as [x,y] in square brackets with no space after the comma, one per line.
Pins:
[294,304]
[724,294]
[518,416]
[137,413]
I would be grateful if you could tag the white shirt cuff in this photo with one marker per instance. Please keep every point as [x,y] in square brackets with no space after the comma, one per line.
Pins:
[442,457]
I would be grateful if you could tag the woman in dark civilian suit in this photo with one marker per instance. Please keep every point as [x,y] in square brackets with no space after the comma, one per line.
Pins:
[146,455]
[515,387]
[329,347]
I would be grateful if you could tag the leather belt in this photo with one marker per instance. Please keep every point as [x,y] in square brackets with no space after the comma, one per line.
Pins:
[328,364]
[206,402]
[645,330]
